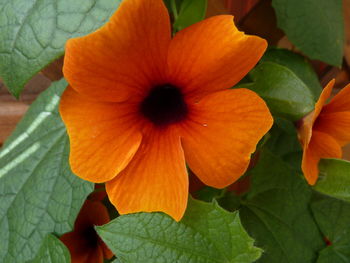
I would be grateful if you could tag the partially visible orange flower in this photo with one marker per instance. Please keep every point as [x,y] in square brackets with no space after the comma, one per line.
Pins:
[325,130]
[84,245]
[140,103]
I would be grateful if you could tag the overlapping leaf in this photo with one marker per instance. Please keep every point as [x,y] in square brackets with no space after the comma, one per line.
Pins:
[285,94]
[52,251]
[296,63]
[38,192]
[207,233]
[284,142]
[276,213]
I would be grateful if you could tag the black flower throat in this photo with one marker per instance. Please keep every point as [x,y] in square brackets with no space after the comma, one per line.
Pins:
[164,105]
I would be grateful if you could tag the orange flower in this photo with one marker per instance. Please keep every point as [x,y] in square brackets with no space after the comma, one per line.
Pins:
[140,103]
[84,244]
[325,130]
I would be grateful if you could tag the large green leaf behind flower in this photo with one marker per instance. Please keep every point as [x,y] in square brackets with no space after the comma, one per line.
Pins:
[38,192]
[33,33]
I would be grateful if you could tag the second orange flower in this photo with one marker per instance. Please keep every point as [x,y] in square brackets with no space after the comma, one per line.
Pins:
[141,103]
[325,130]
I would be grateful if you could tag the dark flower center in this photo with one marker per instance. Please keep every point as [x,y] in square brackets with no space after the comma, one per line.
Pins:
[164,105]
[90,236]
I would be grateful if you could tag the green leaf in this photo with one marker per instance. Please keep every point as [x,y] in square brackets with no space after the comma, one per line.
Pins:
[52,250]
[285,94]
[207,233]
[333,218]
[316,27]
[334,178]
[230,201]
[298,64]
[191,11]
[208,194]
[34,33]
[283,139]
[39,194]
[168,5]
[276,213]
[284,142]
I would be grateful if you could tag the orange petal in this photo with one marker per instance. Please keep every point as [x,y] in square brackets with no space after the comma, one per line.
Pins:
[340,102]
[112,63]
[225,129]
[336,124]
[212,55]
[321,145]
[305,130]
[155,180]
[309,166]
[103,137]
